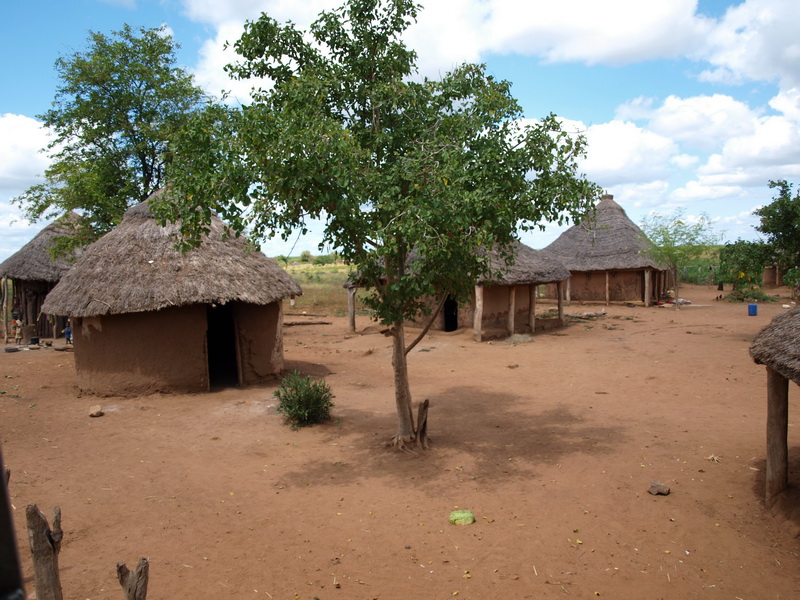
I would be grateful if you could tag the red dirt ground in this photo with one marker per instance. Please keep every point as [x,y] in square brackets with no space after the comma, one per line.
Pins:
[552,444]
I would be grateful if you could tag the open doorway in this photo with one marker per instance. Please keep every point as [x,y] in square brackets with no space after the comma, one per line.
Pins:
[221,343]
[450,310]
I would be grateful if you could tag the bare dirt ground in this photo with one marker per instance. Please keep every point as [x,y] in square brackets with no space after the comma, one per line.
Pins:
[553,445]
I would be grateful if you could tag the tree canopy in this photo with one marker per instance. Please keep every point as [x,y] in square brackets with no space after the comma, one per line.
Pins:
[414,178]
[117,106]
[677,240]
[780,224]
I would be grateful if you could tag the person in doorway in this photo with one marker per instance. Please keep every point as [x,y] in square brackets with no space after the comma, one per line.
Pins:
[16,328]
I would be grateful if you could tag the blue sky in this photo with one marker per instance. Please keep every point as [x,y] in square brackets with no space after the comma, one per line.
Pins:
[686,105]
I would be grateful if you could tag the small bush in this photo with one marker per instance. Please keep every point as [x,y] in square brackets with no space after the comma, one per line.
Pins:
[753,294]
[303,401]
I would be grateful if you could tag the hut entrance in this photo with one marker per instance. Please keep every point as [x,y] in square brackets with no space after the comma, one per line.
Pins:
[450,310]
[221,342]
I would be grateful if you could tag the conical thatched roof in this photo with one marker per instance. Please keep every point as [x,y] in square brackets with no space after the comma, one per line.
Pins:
[530,267]
[33,261]
[136,268]
[778,345]
[611,242]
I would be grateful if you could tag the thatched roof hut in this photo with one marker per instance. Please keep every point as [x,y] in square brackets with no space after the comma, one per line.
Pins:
[608,258]
[504,303]
[778,347]
[147,317]
[34,272]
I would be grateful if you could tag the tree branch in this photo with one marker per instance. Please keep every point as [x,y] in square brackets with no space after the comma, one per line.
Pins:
[427,327]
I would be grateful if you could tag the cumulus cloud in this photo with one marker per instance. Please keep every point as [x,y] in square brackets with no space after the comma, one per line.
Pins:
[20,158]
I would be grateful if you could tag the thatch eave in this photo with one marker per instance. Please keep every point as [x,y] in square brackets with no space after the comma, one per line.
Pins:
[777,347]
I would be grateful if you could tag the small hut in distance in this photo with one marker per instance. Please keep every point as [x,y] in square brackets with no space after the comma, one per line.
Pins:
[501,307]
[34,272]
[147,318]
[608,260]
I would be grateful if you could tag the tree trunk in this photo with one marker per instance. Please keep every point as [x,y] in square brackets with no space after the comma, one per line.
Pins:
[45,545]
[402,393]
[134,583]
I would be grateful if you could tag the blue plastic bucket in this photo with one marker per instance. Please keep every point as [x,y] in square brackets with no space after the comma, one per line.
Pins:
[752,310]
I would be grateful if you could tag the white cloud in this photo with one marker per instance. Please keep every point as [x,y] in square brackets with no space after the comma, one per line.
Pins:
[702,122]
[756,40]
[788,103]
[21,139]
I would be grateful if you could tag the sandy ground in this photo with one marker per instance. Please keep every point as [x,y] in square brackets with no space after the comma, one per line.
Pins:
[553,445]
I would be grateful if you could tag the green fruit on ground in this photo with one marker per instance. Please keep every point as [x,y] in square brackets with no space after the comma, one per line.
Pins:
[461,517]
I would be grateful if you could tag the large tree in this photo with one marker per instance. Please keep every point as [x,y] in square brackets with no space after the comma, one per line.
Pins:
[414,178]
[780,224]
[676,240]
[117,106]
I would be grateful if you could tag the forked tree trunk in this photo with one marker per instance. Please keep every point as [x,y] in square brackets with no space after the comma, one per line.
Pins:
[45,545]
[402,393]
[134,583]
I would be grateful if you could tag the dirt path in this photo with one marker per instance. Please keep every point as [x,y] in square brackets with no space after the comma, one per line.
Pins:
[553,444]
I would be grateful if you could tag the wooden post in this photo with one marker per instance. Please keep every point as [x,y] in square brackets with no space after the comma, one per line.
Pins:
[569,290]
[10,571]
[512,309]
[477,319]
[351,309]
[646,288]
[532,308]
[134,583]
[608,289]
[4,282]
[561,319]
[45,545]
[777,434]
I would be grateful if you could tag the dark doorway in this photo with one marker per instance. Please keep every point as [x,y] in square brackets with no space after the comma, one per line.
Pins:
[450,310]
[221,340]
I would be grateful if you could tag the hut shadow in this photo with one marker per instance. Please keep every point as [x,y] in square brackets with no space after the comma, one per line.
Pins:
[786,507]
[476,434]
[305,368]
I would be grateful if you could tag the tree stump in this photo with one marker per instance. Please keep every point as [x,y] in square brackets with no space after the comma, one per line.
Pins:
[134,583]
[45,545]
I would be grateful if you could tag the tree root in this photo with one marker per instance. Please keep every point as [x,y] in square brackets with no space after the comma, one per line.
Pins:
[420,438]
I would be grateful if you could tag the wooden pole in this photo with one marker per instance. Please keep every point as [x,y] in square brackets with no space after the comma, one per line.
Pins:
[512,309]
[4,281]
[134,583]
[10,570]
[351,309]
[608,289]
[532,308]
[561,319]
[477,318]
[569,290]
[646,288]
[777,434]
[45,545]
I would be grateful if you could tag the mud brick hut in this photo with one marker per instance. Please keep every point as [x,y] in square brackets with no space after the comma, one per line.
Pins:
[147,318]
[778,347]
[501,306]
[33,272]
[607,259]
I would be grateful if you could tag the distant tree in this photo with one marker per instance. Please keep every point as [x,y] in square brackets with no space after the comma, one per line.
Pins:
[117,106]
[741,264]
[305,256]
[676,240]
[780,224]
[394,165]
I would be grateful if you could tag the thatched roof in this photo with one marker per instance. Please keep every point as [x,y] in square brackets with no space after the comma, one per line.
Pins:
[611,242]
[33,262]
[778,345]
[136,268]
[530,267]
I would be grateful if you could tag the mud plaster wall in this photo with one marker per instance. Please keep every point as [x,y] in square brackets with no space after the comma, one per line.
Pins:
[142,353]
[260,337]
[622,285]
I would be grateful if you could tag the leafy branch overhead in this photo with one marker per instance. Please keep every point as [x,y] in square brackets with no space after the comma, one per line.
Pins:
[413,178]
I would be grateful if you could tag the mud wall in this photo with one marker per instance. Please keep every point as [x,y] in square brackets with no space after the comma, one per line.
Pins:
[260,340]
[142,353]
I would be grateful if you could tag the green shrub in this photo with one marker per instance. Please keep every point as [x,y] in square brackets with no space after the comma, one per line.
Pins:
[753,294]
[303,401]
